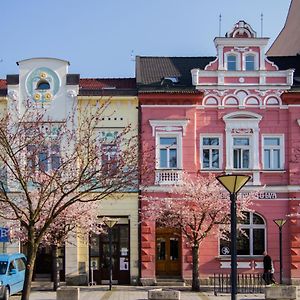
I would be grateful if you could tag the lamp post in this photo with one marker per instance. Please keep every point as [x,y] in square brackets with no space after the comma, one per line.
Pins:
[280,223]
[110,223]
[233,184]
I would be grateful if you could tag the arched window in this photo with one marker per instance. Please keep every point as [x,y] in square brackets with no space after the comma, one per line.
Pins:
[249,62]
[43,85]
[231,63]
[252,241]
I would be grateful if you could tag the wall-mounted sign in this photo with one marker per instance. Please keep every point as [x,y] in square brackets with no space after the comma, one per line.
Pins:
[124,265]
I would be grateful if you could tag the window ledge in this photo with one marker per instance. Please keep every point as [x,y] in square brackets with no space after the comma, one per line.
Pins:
[273,171]
[241,257]
[211,170]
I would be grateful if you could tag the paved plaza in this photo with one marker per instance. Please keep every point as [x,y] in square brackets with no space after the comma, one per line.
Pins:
[134,293]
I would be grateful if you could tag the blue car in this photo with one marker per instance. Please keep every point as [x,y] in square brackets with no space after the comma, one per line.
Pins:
[12,274]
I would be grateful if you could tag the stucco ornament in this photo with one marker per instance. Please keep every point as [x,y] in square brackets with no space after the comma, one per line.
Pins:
[42,84]
[13,95]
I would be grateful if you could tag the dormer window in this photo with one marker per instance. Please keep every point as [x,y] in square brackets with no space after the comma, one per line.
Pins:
[43,85]
[250,62]
[231,63]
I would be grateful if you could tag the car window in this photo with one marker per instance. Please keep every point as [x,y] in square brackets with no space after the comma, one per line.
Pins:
[20,264]
[3,267]
[11,266]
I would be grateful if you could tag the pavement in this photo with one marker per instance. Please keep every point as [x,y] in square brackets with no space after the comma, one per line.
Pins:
[102,292]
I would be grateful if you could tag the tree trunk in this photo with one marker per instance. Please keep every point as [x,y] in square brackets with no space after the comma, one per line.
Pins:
[195,280]
[55,268]
[31,257]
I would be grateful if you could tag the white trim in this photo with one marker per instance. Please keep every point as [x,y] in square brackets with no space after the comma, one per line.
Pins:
[255,55]
[178,136]
[272,96]
[280,147]
[250,42]
[219,147]
[168,105]
[249,188]
[235,120]
[251,227]
[237,55]
[168,124]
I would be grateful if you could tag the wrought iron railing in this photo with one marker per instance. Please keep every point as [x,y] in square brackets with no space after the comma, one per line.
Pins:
[246,284]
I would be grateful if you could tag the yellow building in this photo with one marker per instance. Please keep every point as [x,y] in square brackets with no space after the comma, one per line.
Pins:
[120,110]
[84,259]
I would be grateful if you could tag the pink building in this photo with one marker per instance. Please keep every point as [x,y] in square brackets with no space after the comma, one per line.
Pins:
[236,112]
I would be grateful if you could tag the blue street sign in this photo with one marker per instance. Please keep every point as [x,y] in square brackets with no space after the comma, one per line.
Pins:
[4,235]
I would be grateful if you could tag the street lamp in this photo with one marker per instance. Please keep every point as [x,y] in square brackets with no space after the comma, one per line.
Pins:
[280,223]
[110,223]
[233,184]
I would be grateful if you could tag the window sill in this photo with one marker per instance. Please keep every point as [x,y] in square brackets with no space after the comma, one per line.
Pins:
[273,171]
[241,257]
[211,170]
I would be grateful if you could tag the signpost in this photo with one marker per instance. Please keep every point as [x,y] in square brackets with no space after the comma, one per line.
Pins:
[4,235]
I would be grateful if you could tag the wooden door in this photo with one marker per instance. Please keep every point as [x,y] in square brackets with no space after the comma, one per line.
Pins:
[168,254]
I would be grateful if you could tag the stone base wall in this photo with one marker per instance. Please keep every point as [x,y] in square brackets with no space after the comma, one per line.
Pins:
[80,279]
[148,281]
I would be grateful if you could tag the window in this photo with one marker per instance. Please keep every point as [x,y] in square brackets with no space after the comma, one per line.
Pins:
[210,152]
[43,85]
[250,62]
[273,152]
[11,266]
[3,267]
[168,152]
[109,149]
[43,158]
[21,264]
[252,240]
[109,157]
[231,63]
[241,152]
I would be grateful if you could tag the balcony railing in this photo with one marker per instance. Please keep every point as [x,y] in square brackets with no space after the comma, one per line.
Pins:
[167,176]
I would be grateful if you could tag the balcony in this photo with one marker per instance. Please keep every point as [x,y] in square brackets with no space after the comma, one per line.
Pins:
[167,177]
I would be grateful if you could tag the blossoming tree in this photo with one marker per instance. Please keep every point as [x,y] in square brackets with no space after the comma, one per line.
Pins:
[53,171]
[198,205]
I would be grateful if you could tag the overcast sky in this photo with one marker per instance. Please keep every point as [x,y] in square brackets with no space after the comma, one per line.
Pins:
[98,37]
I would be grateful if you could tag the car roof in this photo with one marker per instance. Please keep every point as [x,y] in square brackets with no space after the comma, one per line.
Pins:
[9,256]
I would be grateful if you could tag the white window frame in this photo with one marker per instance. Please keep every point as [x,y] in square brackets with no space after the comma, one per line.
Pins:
[250,121]
[255,55]
[219,147]
[243,147]
[238,61]
[280,147]
[178,136]
[251,227]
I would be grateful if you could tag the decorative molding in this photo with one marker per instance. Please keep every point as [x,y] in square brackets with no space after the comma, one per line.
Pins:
[13,95]
[72,94]
[168,124]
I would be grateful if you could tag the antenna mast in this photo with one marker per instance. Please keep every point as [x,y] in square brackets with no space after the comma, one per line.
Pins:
[220,24]
[261,24]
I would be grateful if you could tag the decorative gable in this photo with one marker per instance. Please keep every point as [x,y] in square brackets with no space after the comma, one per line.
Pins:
[241,75]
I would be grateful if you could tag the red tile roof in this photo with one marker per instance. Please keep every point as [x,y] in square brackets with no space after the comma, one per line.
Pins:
[104,83]
[3,84]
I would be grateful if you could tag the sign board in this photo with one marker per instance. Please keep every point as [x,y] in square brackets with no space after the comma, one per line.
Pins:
[4,235]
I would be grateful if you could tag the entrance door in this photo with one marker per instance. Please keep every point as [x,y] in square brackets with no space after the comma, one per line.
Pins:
[168,252]
[100,256]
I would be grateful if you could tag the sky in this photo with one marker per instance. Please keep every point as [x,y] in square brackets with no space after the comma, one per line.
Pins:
[100,38]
